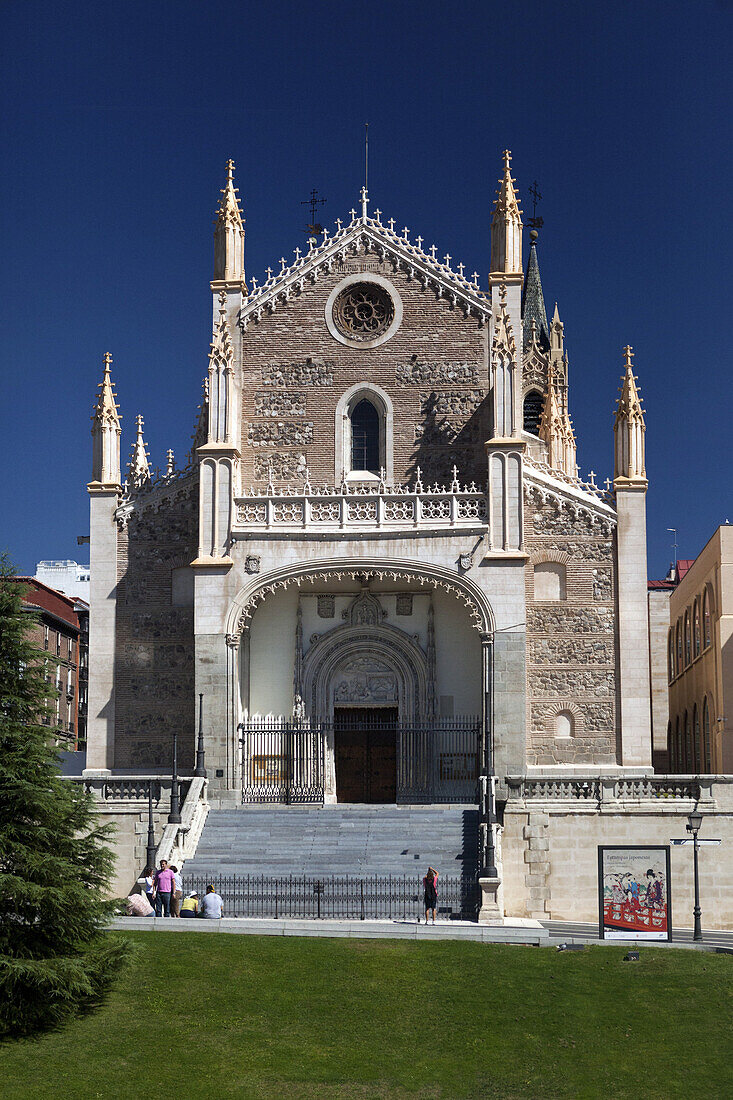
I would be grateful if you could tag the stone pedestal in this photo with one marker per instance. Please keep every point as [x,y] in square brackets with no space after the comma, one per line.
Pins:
[492,909]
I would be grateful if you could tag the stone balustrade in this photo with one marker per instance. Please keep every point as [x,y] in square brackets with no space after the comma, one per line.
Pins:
[592,790]
[349,507]
[123,790]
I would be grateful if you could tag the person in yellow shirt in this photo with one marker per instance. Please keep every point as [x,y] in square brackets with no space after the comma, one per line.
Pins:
[190,905]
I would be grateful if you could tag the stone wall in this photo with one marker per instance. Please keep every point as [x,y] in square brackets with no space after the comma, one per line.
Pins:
[571,641]
[154,665]
[550,853]
[434,370]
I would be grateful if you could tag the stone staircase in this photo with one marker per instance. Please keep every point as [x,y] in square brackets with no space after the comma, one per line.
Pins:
[345,839]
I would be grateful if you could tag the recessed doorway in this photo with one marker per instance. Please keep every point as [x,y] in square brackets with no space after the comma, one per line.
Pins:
[365,744]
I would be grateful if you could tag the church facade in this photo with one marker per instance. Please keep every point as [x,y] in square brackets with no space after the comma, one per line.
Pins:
[380,568]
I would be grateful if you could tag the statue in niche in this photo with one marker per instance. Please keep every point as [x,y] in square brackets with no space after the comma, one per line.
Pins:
[365,610]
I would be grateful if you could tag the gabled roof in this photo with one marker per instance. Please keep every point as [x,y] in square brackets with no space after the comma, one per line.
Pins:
[364,235]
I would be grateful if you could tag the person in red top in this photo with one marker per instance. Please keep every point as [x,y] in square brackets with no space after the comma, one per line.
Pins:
[164,884]
[430,891]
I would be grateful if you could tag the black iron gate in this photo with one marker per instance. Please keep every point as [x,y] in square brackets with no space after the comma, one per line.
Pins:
[374,759]
[282,761]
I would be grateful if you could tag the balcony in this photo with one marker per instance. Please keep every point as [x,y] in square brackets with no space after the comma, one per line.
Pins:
[356,507]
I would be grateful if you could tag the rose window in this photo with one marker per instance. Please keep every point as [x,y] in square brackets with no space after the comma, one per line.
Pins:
[363,311]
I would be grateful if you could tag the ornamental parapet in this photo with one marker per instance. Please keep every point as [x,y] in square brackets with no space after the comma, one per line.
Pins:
[358,507]
[594,792]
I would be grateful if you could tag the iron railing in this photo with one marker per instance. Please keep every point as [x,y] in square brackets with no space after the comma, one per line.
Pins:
[343,897]
[432,761]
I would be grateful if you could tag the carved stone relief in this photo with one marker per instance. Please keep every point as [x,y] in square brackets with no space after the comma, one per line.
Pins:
[450,402]
[364,610]
[588,550]
[280,432]
[420,374]
[285,466]
[280,404]
[404,603]
[310,373]
[364,680]
[326,607]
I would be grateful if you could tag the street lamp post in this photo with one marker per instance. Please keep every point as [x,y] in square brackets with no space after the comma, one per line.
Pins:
[150,847]
[694,821]
[174,817]
[200,769]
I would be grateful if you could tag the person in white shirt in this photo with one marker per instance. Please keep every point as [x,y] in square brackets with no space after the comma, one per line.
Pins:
[211,906]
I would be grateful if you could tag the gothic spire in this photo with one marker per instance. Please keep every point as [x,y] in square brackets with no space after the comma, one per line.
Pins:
[533,301]
[506,226]
[106,410]
[106,432]
[229,234]
[139,467]
[629,429]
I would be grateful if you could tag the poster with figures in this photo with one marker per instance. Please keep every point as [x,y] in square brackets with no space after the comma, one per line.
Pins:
[634,901]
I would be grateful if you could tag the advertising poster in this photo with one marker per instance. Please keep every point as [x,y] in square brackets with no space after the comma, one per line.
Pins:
[634,893]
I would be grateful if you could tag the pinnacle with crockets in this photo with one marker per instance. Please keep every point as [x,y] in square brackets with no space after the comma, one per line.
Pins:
[376,758]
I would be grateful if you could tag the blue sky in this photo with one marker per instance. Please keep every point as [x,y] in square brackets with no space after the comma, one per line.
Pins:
[116,123]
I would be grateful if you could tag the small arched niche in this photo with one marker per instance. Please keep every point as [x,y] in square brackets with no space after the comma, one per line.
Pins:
[549,581]
[564,725]
[364,434]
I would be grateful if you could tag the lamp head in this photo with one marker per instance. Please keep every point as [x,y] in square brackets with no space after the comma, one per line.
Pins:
[694,821]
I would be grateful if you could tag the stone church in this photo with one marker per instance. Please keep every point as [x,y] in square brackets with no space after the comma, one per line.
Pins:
[379,568]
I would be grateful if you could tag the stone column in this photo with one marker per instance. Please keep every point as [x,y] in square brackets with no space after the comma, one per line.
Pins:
[102,628]
[633,627]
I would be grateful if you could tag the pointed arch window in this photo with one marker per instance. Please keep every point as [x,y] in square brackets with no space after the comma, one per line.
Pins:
[687,746]
[365,449]
[696,629]
[696,739]
[678,747]
[706,746]
[688,646]
[678,636]
[706,624]
[534,403]
[670,656]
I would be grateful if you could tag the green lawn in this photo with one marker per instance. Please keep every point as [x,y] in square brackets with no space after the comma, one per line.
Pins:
[220,1016]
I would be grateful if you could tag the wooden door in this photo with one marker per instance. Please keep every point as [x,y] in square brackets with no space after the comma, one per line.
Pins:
[365,746]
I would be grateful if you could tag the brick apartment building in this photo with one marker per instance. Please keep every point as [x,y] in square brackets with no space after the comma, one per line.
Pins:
[61,632]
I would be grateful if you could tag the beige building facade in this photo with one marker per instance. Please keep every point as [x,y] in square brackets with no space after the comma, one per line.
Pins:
[700,662]
[379,566]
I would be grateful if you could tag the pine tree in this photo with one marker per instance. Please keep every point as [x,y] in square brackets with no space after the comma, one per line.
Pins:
[55,867]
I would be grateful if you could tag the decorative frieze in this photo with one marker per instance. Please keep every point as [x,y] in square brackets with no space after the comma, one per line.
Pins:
[571,682]
[565,619]
[552,650]
[282,466]
[312,372]
[448,373]
[280,404]
[280,432]
[450,402]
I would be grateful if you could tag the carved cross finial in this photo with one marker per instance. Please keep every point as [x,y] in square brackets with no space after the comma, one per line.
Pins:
[405,232]
[107,360]
[608,484]
[592,479]
[628,352]
[419,242]
[390,223]
[139,422]
[447,259]
[432,250]
[325,234]
[269,273]
[353,214]
[461,269]
[378,215]
[230,168]
[507,159]
[253,280]
[297,254]
[475,278]
[339,223]
[170,463]
[282,264]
